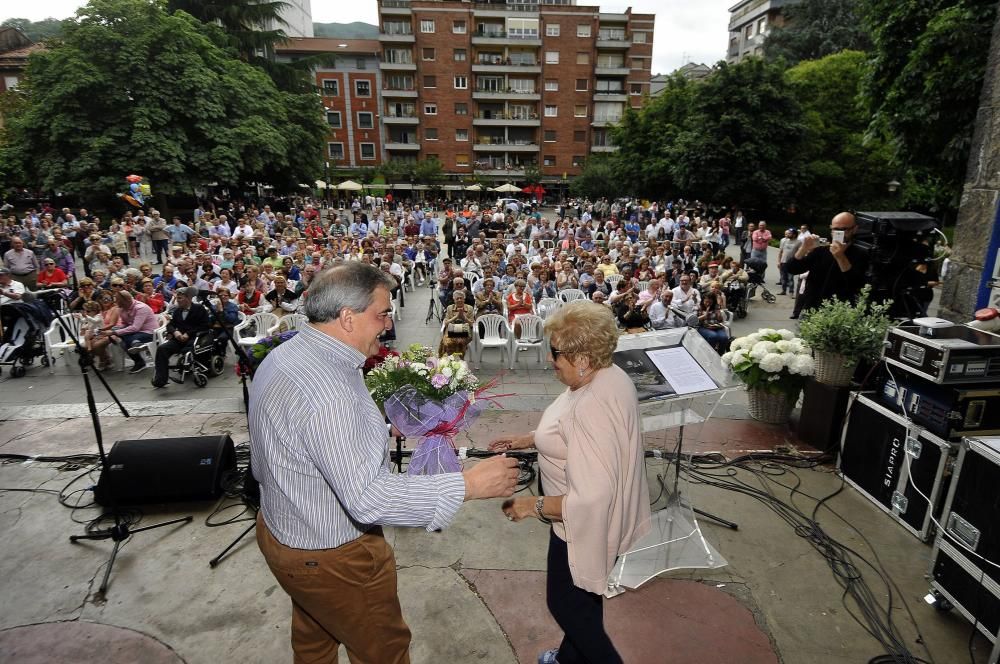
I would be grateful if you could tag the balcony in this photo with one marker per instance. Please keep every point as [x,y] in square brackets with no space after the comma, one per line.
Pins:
[498,95]
[402,119]
[613,18]
[606,70]
[494,10]
[503,38]
[409,147]
[410,93]
[604,148]
[606,122]
[613,44]
[397,66]
[494,121]
[505,67]
[395,7]
[397,37]
[610,96]
[491,146]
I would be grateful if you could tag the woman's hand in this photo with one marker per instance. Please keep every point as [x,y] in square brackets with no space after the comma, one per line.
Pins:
[522,507]
[512,442]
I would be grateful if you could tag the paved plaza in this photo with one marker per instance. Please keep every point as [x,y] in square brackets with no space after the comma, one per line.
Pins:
[473,593]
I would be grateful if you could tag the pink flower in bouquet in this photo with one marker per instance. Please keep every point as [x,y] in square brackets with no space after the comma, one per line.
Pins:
[439,381]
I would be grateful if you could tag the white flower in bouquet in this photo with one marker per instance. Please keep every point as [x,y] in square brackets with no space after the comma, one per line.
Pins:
[772,363]
[786,335]
[762,348]
[447,371]
[804,365]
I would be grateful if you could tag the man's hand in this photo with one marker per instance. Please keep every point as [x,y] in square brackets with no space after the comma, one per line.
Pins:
[492,478]
[837,249]
[808,244]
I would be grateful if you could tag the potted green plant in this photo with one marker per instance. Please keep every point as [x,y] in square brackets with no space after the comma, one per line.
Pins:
[774,365]
[842,333]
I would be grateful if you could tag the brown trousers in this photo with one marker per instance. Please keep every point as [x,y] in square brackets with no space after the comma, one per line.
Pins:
[339,596]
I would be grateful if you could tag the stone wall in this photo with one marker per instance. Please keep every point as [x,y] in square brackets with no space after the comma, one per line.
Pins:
[979,213]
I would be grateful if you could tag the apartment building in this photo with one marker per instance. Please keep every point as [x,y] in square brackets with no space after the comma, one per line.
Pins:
[350,90]
[496,87]
[749,23]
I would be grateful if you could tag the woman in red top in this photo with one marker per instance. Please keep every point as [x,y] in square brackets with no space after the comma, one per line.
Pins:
[51,276]
[249,299]
[151,297]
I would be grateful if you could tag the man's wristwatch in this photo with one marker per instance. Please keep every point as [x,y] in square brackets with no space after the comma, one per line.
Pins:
[539,504]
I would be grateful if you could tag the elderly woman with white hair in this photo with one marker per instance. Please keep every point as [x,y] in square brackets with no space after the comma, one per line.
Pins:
[595,495]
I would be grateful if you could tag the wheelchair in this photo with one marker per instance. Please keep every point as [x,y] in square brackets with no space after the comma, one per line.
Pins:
[202,359]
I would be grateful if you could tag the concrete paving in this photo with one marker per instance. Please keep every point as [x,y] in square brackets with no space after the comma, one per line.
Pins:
[473,593]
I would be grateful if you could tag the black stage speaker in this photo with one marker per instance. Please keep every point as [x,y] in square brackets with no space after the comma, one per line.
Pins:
[164,470]
[822,418]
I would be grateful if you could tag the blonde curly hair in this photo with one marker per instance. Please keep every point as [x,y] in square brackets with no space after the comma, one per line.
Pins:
[584,329]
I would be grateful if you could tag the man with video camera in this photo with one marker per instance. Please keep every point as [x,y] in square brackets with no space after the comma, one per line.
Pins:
[836,268]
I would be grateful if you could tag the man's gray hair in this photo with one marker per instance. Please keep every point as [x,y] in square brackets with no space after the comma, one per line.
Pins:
[349,285]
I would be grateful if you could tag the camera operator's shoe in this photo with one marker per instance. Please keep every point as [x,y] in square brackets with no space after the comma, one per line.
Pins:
[549,657]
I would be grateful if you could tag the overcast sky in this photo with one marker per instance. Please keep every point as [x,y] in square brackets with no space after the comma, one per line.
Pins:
[686,30]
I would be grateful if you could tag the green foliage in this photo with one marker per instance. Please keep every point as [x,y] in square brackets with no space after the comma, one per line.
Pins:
[429,172]
[814,29]
[842,170]
[397,172]
[771,360]
[532,174]
[742,142]
[838,326]
[36,31]
[598,179]
[131,88]
[923,89]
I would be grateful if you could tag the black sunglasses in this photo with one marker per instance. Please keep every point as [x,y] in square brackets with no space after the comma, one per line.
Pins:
[555,353]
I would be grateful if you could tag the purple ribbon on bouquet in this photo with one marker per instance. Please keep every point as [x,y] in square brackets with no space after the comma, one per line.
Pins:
[436,423]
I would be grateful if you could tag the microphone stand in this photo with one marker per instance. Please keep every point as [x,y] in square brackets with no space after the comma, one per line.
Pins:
[122,530]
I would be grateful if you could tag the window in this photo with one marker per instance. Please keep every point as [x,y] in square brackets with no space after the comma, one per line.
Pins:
[578,160]
[399,56]
[430,134]
[551,57]
[331,87]
[550,136]
[637,64]
[428,54]
[335,150]
[583,30]
[761,24]
[610,60]
[461,134]
[748,33]
[430,81]
[367,151]
[551,111]
[11,82]
[399,82]
[551,85]
[579,111]
[583,58]
[426,25]
[579,137]
[333,119]
[363,88]
[581,85]
[461,83]
[608,111]
[430,109]
[638,37]
[522,28]
[460,55]
[461,160]
[635,89]
[609,86]
[397,28]
[458,27]
[366,120]
[522,85]
[551,29]
[361,63]
[549,160]
[461,108]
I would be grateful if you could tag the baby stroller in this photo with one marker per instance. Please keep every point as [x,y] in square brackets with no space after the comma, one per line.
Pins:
[755,268]
[24,324]
[202,359]
[736,298]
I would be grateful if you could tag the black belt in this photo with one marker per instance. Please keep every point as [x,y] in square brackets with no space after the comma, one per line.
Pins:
[23,274]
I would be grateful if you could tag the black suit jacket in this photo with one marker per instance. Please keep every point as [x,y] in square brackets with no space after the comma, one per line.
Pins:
[197,320]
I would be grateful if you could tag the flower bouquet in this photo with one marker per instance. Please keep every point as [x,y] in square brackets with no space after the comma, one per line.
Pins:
[256,353]
[433,398]
[774,365]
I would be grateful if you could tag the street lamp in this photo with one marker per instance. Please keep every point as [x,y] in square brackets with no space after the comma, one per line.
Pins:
[327,193]
[893,185]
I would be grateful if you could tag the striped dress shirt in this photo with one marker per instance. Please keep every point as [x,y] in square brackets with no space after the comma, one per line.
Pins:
[320,450]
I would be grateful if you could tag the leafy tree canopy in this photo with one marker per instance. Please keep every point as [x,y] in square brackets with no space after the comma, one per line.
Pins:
[923,87]
[36,31]
[132,88]
[816,28]
[598,179]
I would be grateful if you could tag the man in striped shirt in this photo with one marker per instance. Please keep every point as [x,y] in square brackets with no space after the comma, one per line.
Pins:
[320,452]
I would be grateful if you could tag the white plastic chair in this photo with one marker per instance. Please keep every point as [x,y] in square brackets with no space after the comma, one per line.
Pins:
[149,348]
[496,334]
[471,278]
[261,322]
[56,338]
[531,337]
[289,322]
[546,306]
[641,286]
[568,295]
[614,280]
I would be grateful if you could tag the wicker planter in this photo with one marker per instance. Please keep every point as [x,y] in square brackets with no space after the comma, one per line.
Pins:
[834,369]
[769,407]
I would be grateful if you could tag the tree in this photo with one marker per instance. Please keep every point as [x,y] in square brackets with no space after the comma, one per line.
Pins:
[532,174]
[922,90]
[842,170]
[429,172]
[597,179]
[36,31]
[816,28]
[644,139]
[131,88]
[742,142]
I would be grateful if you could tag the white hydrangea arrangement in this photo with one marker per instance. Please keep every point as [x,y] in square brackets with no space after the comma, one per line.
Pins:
[775,360]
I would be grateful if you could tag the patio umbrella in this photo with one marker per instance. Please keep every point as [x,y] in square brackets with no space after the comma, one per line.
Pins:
[320,184]
[508,188]
[474,187]
[349,185]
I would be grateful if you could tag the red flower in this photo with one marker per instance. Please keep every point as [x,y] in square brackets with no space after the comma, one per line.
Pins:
[378,359]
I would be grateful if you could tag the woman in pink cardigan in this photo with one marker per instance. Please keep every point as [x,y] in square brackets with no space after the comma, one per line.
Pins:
[590,455]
